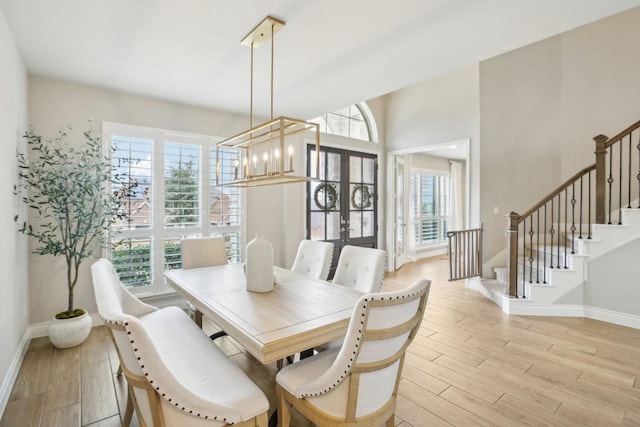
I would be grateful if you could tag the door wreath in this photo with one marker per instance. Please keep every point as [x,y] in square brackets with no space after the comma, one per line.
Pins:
[325,196]
[360,196]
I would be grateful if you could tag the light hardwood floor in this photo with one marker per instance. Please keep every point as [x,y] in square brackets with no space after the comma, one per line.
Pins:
[471,364]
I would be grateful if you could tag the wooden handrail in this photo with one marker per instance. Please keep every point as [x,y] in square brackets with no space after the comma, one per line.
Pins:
[622,134]
[561,188]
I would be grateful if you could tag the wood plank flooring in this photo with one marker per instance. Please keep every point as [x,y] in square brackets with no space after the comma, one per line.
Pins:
[470,365]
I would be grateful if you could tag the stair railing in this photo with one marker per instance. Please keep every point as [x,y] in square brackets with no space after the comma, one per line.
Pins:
[543,237]
[617,173]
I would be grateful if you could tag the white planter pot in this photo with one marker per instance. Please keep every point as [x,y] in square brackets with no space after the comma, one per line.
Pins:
[65,333]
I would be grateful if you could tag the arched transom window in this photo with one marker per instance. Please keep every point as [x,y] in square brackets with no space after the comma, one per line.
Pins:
[354,121]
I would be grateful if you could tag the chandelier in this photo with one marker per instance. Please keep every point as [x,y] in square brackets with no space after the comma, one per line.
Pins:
[264,154]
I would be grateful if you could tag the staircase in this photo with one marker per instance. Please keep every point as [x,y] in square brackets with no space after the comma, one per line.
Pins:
[550,246]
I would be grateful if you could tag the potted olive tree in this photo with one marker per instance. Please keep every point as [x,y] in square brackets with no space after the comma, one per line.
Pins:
[73,197]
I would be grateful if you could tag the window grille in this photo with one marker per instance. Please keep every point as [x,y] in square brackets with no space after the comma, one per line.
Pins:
[174,197]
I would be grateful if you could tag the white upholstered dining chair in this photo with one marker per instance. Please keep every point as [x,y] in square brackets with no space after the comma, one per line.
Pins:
[114,301]
[198,252]
[313,259]
[203,252]
[360,268]
[357,384]
[175,375]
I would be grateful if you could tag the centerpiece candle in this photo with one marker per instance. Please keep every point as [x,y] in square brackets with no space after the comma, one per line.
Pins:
[291,157]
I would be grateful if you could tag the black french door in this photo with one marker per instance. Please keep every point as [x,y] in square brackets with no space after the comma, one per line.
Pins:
[342,204]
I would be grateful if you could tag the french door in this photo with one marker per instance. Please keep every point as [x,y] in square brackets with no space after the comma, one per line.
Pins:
[342,203]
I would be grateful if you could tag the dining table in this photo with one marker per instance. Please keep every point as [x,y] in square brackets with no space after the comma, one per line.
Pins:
[300,312]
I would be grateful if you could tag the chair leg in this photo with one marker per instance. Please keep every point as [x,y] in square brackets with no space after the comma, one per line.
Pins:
[128,413]
[284,413]
[198,318]
[119,373]
[262,420]
[390,421]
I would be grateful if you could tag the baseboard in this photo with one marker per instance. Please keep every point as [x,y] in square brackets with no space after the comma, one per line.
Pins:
[14,369]
[525,308]
[622,319]
[558,310]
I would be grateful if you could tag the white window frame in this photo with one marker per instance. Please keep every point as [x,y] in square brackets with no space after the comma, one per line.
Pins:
[416,211]
[367,115]
[158,233]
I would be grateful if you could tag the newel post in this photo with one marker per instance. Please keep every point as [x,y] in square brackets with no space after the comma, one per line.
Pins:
[512,253]
[601,179]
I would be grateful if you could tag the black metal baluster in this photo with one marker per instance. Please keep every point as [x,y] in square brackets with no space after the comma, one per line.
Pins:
[638,175]
[538,246]
[610,179]
[465,249]
[589,211]
[544,249]
[517,255]
[524,254]
[559,229]
[573,217]
[551,232]
[564,262]
[629,189]
[581,207]
[620,187]
[531,251]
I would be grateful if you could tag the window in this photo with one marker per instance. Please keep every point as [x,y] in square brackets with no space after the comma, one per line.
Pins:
[174,196]
[429,207]
[355,121]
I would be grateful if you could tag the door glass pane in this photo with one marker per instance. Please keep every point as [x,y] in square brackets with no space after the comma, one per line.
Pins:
[368,170]
[313,190]
[333,167]
[312,163]
[355,169]
[367,224]
[323,160]
[333,225]
[317,225]
[355,224]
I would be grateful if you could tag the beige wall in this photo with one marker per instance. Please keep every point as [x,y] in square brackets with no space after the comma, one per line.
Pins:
[14,301]
[430,163]
[540,107]
[438,111]
[54,103]
[613,280]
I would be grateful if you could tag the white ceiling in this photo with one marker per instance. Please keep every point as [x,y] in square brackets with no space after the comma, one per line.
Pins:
[330,54]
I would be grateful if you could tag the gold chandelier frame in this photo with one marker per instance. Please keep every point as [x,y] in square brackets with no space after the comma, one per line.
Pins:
[263,157]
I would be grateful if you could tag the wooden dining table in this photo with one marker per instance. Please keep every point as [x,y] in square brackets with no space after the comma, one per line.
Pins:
[298,314]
